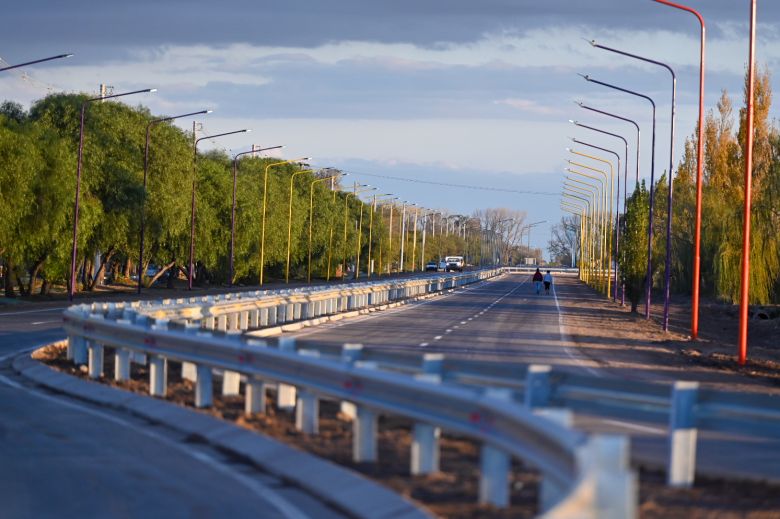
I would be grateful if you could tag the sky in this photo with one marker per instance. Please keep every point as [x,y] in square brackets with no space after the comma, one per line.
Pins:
[451,104]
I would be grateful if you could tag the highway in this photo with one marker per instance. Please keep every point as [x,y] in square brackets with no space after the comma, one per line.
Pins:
[504,320]
[60,454]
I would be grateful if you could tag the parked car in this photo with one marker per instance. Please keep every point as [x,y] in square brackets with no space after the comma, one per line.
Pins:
[431,266]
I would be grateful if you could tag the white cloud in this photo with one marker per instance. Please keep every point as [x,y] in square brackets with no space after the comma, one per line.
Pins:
[529,106]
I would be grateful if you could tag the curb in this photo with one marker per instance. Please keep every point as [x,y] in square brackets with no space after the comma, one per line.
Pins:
[348,491]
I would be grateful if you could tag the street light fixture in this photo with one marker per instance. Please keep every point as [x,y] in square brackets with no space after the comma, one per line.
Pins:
[74,249]
[190,273]
[233,205]
[143,200]
[59,56]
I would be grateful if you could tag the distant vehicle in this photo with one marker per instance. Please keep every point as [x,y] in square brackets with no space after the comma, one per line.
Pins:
[431,266]
[442,266]
[454,263]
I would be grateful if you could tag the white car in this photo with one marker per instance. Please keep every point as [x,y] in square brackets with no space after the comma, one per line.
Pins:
[454,263]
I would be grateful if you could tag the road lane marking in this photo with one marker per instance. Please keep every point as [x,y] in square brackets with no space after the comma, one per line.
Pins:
[463,322]
[437,338]
[423,344]
[35,323]
[42,310]
[448,330]
[564,339]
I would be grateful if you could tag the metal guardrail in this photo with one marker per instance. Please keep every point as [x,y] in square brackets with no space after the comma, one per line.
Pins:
[583,476]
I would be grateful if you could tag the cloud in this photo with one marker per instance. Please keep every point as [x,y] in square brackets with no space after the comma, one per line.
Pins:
[527,105]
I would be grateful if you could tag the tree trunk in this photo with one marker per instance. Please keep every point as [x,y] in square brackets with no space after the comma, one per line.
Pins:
[20,284]
[34,275]
[45,287]
[101,269]
[128,268]
[160,273]
[7,280]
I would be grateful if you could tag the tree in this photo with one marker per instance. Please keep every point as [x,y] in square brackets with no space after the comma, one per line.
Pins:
[633,250]
[564,243]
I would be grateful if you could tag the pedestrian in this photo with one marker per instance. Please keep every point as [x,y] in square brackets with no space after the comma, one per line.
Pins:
[547,282]
[538,281]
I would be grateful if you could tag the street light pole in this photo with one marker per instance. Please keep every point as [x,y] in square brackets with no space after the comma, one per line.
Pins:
[311,216]
[233,205]
[668,267]
[699,171]
[265,201]
[192,211]
[649,276]
[289,222]
[59,56]
[74,249]
[744,295]
[143,199]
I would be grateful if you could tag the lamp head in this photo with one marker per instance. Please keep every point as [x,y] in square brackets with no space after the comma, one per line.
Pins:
[207,111]
[67,55]
[151,90]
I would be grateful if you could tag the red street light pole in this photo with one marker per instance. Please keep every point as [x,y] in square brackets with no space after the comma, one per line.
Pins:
[744,296]
[36,61]
[74,249]
[233,205]
[143,200]
[192,210]
[699,173]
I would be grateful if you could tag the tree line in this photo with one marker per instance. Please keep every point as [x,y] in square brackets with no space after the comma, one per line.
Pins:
[38,154]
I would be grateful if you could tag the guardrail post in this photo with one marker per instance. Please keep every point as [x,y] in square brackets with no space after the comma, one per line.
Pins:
[231,383]
[203,387]
[158,375]
[605,459]
[425,440]
[255,397]
[95,359]
[281,313]
[494,465]
[682,435]
[243,320]
[537,386]
[208,322]
[350,353]
[307,408]
[550,492]
[222,323]
[364,429]
[121,364]
[433,363]
[285,394]
[254,319]
[494,477]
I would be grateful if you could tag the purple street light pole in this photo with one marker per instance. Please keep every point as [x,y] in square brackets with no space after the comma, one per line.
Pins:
[669,196]
[143,200]
[74,249]
[649,281]
[35,61]
[617,210]
[192,210]
[233,205]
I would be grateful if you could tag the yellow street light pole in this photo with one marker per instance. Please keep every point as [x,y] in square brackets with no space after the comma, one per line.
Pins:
[612,216]
[370,234]
[577,212]
[414,238]
[311,220]
[609,227]
[598,194]
[585,223]
[355,192]
[587,233]
[265,200]
[289,222]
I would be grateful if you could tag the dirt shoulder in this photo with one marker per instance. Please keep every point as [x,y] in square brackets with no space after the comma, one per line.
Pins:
[630,346]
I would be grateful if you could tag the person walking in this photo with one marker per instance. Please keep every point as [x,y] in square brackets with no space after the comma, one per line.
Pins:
[547,282]
[537,279]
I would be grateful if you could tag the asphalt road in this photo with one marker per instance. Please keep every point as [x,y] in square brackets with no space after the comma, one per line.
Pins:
[62,457]
[505,320]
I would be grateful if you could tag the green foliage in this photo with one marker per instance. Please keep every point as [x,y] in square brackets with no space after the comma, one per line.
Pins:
[633,248]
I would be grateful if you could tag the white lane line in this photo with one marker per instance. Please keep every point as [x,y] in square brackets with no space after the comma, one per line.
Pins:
[629,425]
[42,310]
[438,337]
[260,490]
[36,323]
[470,318]
[456,327]
[448,330]
[565,339]
[423,344]
[463,322]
